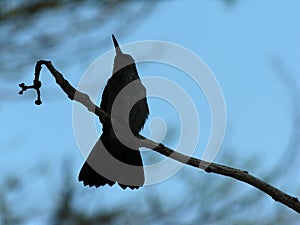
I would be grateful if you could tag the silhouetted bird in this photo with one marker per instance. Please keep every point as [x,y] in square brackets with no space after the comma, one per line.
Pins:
[125,166]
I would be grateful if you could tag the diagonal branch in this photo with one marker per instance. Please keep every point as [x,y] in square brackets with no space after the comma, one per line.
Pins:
[84,99]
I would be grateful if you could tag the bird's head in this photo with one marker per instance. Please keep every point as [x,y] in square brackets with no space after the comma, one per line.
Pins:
[121,60]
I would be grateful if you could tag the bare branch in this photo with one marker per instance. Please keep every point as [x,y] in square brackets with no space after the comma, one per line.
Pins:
[244,176]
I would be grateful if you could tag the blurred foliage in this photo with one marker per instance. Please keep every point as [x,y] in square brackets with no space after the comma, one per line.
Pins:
[202,199]
[31,30]
[8,215]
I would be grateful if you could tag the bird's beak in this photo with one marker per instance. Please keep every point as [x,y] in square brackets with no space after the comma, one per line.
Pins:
[116,44]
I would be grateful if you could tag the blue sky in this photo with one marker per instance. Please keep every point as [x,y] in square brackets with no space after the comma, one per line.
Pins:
[238,43]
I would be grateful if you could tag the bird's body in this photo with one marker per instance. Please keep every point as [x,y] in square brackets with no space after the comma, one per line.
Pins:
[125,166]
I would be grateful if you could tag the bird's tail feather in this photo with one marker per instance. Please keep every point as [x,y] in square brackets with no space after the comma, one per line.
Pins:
[110,162]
